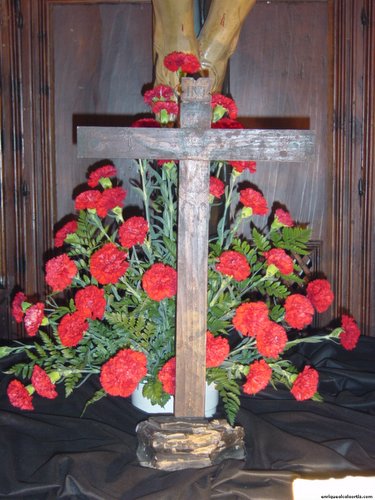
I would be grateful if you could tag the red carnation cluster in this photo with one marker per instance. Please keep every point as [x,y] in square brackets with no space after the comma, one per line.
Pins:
[167,376]
[217,187]
[72,328]
[227,123]
[102,202]
[228,105]
[259,375]
[108,264]
[349,337]
[271,339]
[33,318]
[279,258]
[253,199]
[101,172]
[160,282]
[146,123]
[298,311]
[69,228]
[320,294]
[233,264]
[19,396]
[42,383]
[90,302]
[240,166]
[187,63]
[121,374]
[17,311]
[159,93]
[88,200]
[170,107]
[60,272]
[110,198]
[306,384]
[133,231]
[217,349]
[250,318]
[284,218]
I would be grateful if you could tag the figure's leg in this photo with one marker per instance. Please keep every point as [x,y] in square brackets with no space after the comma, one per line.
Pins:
[173,31]
[219,36]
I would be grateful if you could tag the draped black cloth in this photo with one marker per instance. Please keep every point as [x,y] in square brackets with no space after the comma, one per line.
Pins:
[53,452]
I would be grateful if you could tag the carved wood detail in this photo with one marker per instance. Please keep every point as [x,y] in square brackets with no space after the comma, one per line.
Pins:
[353,141]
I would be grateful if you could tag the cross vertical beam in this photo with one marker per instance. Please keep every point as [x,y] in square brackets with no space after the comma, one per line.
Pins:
[192,252]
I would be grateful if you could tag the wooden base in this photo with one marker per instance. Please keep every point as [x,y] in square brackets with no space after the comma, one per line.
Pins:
[170,443]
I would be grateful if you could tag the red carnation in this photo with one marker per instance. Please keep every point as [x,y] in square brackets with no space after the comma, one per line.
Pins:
[88,200]
[298,311]
[146,123]
[101,172]
[108,264]
[320,294]
[227,123]
[170,107]
[271,340]
[60,272]
[217,187]
[259,375]
[42,383]
[110,198]
[90,302]
[225,102]
[250,318]
[121,374]
[72,328]
[133,231]
[167,376]
[306,384]
[160,282]
[284,218]
[240,166]
[349,337]
[233,264]
[187,62]
[17,311]
[159,93]
[69,228]
[33,318]
[253,199]
[279,258]
[217,349]
[19,396]
[191,64]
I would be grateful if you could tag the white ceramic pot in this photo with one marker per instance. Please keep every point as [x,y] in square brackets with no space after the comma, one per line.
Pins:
[144,404]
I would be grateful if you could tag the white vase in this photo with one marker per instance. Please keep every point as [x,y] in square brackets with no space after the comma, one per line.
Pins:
[144,404]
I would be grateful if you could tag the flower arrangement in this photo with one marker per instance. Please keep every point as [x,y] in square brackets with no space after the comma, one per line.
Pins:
[110,313]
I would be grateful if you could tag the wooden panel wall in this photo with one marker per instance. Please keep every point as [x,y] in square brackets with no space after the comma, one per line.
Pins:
[299,63]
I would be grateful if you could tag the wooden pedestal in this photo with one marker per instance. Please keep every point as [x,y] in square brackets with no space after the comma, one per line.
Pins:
[170,443]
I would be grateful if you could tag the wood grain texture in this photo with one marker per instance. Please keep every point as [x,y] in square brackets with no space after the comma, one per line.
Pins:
[174,144]
[192,255]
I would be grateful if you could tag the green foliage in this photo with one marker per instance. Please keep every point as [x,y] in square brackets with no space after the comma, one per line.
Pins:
[132,320]
[228,389]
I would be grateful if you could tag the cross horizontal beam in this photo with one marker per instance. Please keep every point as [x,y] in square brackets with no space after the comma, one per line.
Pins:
[195,144]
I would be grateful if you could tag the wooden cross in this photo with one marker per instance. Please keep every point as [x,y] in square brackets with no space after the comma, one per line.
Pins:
[195,144]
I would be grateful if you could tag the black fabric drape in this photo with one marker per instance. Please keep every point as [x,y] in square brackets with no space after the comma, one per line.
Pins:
[52,452]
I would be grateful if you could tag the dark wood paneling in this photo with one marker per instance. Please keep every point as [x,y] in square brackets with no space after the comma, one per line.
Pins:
[299,64]
[279,76]
[101,55]
[354,216]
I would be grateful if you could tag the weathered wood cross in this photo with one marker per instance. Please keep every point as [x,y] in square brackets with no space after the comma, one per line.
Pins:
[194,144]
